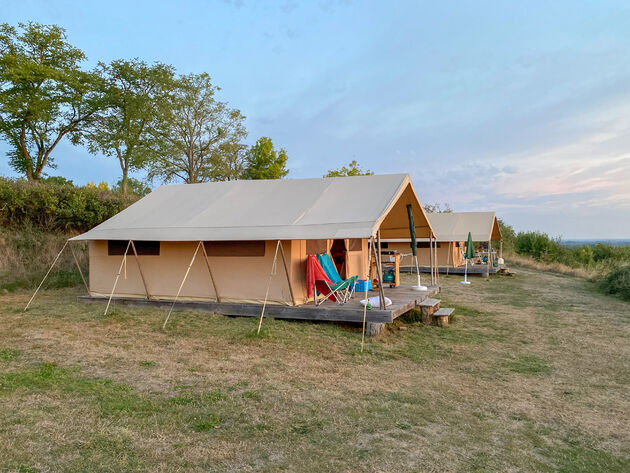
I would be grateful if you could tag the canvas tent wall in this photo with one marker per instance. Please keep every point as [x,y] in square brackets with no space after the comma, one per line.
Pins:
[240,223]
[451,230]
[448,252]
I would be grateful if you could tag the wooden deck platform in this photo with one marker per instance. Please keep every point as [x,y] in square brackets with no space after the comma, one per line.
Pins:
[403,297]
[478,269]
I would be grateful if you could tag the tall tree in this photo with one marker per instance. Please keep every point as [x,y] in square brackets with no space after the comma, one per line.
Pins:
[195,132]
[229,164]
[353,169]
[135,187]
[264,162]
[438,208]
[44,94]
[124,128]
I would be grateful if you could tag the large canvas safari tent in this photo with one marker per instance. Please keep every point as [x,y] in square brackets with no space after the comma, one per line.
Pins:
[451,232]
[235,227]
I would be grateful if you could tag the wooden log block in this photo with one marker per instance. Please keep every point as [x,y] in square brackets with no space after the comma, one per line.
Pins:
[441,316]
[441,321]
[374,329]
[427,308]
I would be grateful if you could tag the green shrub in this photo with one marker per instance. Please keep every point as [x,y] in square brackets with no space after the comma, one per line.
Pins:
[56,206]
[617,282]
[538,245]
[508,235]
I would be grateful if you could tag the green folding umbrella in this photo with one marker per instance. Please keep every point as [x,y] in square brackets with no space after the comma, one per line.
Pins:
[470,247]
[470,254]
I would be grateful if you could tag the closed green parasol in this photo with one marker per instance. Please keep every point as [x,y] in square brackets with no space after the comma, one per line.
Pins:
[414,246]
[470,247]
[470,254]
[412,230]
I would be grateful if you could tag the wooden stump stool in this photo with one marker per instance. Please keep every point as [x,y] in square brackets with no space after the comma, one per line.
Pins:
[441,316]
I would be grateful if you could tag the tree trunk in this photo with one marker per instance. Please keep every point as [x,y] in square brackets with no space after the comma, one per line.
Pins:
[125,173]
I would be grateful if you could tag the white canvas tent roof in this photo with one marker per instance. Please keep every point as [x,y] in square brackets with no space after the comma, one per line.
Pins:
[287,209]
[454,226]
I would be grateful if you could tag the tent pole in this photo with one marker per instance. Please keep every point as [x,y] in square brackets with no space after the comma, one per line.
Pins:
[367,281]
[489,256]
[144,282]
[214,285]
[273,268]
[431,260]
[181,285]
[435,259]
[76,261]
[49,270]
[286,271]
[448,258]
[437,267]
[378,275]
[380,268]
[124,258]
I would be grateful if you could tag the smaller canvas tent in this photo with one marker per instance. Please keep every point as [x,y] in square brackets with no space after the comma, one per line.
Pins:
[234,228]
[451,230]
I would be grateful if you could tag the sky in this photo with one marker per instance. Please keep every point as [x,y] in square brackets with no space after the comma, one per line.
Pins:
[522,108]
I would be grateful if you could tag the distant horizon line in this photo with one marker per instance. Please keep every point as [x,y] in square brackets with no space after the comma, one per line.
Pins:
[602,239]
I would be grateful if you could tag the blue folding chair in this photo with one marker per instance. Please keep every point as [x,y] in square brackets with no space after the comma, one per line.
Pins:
[332,273]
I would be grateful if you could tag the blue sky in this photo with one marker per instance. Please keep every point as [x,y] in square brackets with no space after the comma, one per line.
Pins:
[518,107]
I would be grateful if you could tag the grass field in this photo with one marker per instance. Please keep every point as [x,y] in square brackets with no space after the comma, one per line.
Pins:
[532,375]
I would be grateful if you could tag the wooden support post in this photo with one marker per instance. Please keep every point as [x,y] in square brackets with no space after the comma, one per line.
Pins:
[501,248]
[380,271]
[181,285]
[433,255]
[286,271]
[431,263]
[437,266]
[435,262]
[144,282]
[379,275]
[124,259]
[367,280]
[214,285]
[46,275]
[489,256]
[76,261]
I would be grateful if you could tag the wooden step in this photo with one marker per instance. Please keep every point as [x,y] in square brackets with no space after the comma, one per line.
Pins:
[441,315]
[427,308]
[429,302]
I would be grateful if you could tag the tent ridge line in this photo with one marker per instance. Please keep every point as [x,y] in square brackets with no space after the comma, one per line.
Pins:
[235,226]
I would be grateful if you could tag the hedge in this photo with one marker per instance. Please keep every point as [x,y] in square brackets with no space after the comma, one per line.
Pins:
[56,207]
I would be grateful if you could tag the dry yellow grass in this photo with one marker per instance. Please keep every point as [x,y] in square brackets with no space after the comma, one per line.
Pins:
[532,375]
[560,268]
